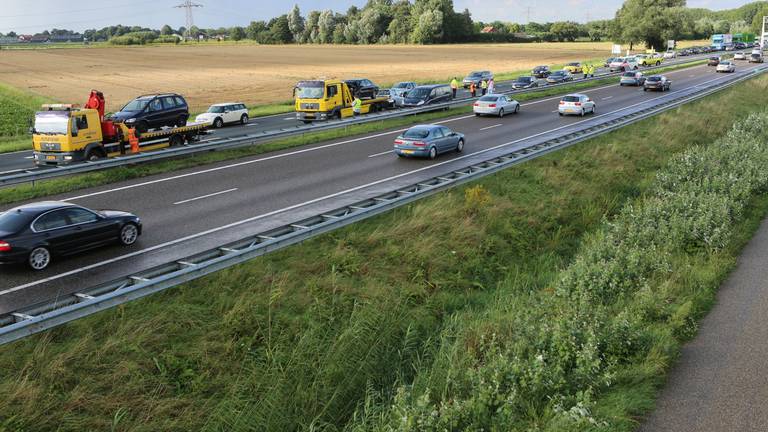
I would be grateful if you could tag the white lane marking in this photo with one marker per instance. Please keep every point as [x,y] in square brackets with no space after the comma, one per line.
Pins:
[251,124]
[306,150]
[312,201]
[28,157]
[381,154]
[491,127]
[608,97]
[11,171]
[15,152]
[205,196]
[290,118]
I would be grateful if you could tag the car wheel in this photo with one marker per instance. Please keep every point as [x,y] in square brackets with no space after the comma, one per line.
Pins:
[129,233]
[645,89]
[517,108]
[93,155]
[460,146]
[432,152]
[244,119]
[39,258]
[477,114]
[218,123]
[560,114]
[176,140]
[501,113]
[182,121]
[583,112]
[142,126]
[594,108]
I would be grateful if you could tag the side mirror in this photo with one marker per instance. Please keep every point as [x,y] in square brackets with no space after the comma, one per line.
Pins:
[74,133]
[31,130]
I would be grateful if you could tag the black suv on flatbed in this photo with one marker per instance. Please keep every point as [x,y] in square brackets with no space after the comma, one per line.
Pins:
[154,111]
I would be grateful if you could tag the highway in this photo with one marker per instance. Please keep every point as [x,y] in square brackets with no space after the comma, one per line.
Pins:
[18,161]
[193,210]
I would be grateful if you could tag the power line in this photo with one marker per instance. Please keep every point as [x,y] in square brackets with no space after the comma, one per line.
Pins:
[188,5]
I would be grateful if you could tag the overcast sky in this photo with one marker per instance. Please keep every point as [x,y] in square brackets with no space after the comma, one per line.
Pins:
[22,17]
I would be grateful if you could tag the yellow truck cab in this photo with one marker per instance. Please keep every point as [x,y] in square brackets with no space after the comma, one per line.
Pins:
[330,99]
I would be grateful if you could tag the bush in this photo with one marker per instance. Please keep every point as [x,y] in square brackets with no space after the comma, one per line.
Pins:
[134,38]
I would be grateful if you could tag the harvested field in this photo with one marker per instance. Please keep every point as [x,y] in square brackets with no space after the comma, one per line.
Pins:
[258,74]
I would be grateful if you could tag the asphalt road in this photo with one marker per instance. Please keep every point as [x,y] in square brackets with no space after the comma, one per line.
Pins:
[18,161]
[193,210]
[720,383]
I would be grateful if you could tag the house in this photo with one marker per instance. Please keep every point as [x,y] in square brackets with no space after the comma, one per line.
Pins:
[40,38]
[488,29]
[5,40]
[25,38]
[73,37]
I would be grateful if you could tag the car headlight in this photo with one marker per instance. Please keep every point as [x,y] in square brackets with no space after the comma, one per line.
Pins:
[67,157]
[130,120]
[420,103]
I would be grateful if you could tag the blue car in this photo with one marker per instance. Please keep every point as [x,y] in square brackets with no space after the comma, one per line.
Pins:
[428,141]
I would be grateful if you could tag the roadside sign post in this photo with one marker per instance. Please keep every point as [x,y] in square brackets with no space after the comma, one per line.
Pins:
[616,49]
[671,44]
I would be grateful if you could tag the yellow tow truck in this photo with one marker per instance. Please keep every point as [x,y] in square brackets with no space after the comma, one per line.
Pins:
[65,133]
[321,100]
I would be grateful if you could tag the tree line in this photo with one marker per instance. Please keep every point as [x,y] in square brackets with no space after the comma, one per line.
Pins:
[651,22]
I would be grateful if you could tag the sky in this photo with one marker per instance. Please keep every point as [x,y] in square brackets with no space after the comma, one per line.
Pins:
[17,15]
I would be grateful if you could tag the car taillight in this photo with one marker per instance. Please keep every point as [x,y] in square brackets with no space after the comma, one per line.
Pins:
[419,144]
[562,102]
[5,246]
[577,103]
[492,106]
[477,104]
[397,141]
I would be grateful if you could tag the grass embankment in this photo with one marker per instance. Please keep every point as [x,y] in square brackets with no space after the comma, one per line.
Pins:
[17,107]
[68,184]
[430,294]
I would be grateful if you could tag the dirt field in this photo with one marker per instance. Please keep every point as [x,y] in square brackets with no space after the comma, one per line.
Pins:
[258,74]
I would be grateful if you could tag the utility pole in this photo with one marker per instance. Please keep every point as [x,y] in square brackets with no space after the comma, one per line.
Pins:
[528,15]
[188,5]
[764,35]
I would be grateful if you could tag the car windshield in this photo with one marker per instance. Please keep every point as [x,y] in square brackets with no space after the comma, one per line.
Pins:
[401,85]
[476,74]
[654,79]
[558,73]
[419,92]
[540,68]
[136,105]
[618,59]
[571,99]
[13,221]
[216,109]
[525,79]
[51,123]
[489,98]
[416,133]
[573,64]
[629,74]
[725,63]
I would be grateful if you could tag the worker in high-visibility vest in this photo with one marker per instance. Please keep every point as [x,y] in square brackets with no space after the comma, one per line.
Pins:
[472,89]
[133,140]
[357,106]
[484,86]
[454,86]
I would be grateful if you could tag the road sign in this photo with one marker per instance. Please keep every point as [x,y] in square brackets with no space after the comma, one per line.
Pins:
[671,44]
[616,49]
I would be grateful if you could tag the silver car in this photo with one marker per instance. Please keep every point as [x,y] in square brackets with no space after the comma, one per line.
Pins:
[477,77]
[740,56]
[496,105]
[632,78]
[397,93]
[428,141]
[726,66]
[578,104]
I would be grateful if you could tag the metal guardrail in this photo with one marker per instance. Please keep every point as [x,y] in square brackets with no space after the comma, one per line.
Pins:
[16,325]
[37,174]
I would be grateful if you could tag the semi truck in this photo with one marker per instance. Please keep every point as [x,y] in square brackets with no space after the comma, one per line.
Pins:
[320,100]
[65,133]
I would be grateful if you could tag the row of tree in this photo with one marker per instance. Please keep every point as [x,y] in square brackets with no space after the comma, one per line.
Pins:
[435,21]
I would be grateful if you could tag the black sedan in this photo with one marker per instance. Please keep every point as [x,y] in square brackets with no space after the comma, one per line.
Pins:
[34,233]
[524,82]
[363,88]
[541,71]
[658,82]
[559,77]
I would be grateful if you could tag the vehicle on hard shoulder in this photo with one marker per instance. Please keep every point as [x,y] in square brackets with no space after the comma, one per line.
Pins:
[756,57]
[525,82]
[608,61]
[38,233]
[153,112]
[574,68]
[713,61]
[576,104]
[670,54]
[428,141]
[560,76]
[657,82]
[66,133]
[541,71]
[224,113]
[362,88]
[632,78]
[398,92]
[476,77]
[428,95]
[653,59]
[495,105]
[726,66]
[623,64]
[740,56]
[321,100]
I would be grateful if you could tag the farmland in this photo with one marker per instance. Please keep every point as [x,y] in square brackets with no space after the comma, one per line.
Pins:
[259,74]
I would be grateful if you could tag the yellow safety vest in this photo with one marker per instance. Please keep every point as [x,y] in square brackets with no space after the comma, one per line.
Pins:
[357,104]
[454,84]
[484,84]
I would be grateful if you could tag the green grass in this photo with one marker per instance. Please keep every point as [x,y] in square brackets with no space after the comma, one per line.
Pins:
[17,108]
[68,184]
[8,145]
[303,338]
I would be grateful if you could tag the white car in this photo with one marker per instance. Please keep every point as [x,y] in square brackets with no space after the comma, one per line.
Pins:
[578,104]
[496,105]
[225,113]
[726,66]
[670,54]
[739,56]
[623,64]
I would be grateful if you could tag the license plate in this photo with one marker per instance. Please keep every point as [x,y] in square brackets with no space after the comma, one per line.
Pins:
[50,157]
[407,151]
